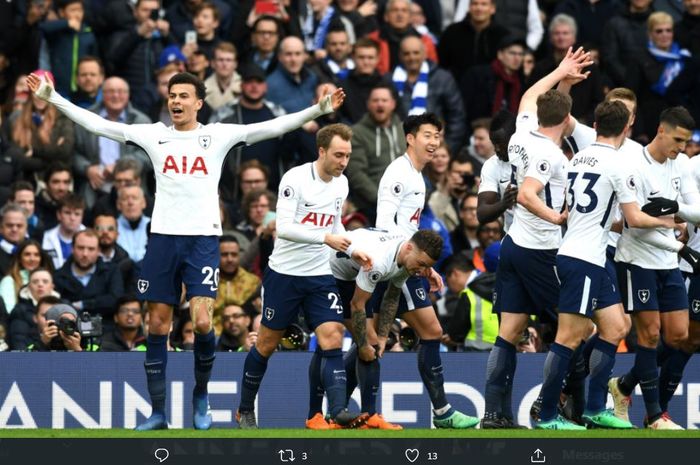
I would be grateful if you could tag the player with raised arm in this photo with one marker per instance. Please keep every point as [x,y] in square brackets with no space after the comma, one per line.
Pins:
[400,202]
[598,177]
[183,247]
[394,259]
[526,279]
[299,278]
[651,284]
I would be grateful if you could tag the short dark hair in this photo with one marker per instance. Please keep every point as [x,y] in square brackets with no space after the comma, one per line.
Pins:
[73,201]
[611,118]
[552,108]
[253,164]
[326,134]
[128,164]
[47,299]
[88,58]
[384,85]
[366,42]
[677,117]
[125,299]
[459,262]
[187,78]
[208,6]
[481,123]
[54,168]
[429,242]
[271,19]
[500,132]
[412,124]
[61,4]
[228,238]
[20,186]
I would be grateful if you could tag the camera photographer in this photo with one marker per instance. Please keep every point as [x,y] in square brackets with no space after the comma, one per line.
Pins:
[58,331]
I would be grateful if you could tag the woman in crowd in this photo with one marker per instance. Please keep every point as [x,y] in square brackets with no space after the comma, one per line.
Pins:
[27,258]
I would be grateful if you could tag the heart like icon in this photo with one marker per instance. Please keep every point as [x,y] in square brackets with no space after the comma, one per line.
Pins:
[412,455]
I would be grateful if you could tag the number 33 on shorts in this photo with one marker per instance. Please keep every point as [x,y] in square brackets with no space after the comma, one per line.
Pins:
[211,277]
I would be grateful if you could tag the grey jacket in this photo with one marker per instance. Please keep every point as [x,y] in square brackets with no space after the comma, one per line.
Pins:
[87,151]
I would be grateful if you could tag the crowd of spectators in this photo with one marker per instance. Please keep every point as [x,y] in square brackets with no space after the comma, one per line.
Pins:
[76,207]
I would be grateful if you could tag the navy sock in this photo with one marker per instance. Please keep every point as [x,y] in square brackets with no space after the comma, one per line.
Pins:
[253,372]
[316,390]
[646,371]
[334,379]
[430,369]
[588,347]
[663,352]
[602,360]
[497,376]
[671,375]
[507,404]
[350,362]
[555,367]
[576,379]
[204,345]
[368,376]
[156,362]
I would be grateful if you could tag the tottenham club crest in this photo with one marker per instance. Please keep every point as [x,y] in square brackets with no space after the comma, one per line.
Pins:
[594,303]
[142,285]
[420,293]
[338,204]
[643,295]
[269,313]
[676,183]
[696,306]
[205,141]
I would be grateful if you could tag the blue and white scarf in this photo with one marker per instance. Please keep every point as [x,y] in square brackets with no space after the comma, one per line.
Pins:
[340,73]
[419,97]
[673,61]
[316,40]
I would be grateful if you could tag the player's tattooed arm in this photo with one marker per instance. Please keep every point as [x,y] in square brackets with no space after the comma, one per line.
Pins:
[359,327]
[387,313]
[359,324]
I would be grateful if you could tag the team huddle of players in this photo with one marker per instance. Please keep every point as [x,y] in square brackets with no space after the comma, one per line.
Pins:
[618,202]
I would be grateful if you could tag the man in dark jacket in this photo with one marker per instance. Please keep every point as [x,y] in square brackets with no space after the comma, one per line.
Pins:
[85,280]
[472,41]
[360,81]
[128,330]
[687,30]
[111,252]
[591,17]
[623,37]
[442,97]
[58,179]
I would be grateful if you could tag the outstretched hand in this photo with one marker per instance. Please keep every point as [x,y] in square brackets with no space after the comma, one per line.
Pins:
[362,258]
[331,102]
[41,86]
[573,64]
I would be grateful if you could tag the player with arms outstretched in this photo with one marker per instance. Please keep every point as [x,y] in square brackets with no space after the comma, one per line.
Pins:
[183,247]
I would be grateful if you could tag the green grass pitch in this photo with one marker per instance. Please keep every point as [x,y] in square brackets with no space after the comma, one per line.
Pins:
[369,434]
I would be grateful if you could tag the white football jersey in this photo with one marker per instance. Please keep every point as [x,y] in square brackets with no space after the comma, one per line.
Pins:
[400,198]
[312,207]
[534,155]
[582,137]
[693,236]
[187,167]
[597,180]
[671,179]
[383,247]
[496,177]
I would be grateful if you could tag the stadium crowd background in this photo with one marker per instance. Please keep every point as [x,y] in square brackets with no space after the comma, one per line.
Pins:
[464,60]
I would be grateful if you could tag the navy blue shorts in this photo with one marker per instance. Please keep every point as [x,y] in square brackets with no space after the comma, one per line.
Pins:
[693,285]
[657,290]
[415,294]
[528,280]
[283,296]
[347,290]
[610,265]
[173,260]
[585,287]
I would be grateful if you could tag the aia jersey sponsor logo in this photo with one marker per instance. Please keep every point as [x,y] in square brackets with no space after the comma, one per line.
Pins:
[185,165]
[322,220]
